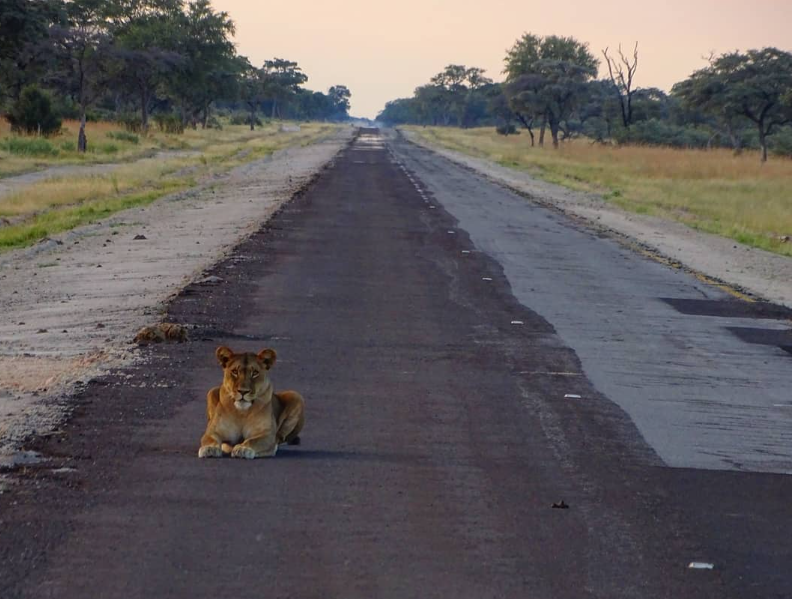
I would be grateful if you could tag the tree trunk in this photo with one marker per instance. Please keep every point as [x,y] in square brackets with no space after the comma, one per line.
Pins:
[528,126]
[82,140]
[541,135]
[144,116]
[274,107]
[252,120]
[554,133]
[763,143]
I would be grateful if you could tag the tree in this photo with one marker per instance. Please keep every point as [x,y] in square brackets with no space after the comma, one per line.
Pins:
[547,78]
[282,79]
[208,66]
[24,31]
[81,52]
[143,49]
[750,86]
[339,96]
[251,88]
[622,74]
[454,87]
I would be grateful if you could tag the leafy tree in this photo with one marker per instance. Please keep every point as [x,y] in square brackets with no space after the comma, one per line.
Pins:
[454,88]
[547,78]
[282,79]
[208,66]
[32,113]
[24,31]
[752,86]
[144,33]
[400,111]
[339,95]
[80,48]
[251,89]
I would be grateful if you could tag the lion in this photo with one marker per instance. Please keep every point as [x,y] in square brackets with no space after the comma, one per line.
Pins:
[246,418]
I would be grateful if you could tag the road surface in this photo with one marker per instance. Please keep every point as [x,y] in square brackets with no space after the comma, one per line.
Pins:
[468,360]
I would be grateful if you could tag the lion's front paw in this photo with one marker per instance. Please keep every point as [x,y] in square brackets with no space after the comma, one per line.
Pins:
[210,451]
[242,451]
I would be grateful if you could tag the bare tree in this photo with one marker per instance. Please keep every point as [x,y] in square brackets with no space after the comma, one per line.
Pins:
[622,73]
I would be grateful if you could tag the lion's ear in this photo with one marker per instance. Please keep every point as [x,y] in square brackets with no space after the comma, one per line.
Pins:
[224,355]
[268,357]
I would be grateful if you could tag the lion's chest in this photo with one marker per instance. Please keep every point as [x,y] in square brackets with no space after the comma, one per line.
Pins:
[241,427]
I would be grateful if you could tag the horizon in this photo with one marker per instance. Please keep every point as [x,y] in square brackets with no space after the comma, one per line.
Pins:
[386,56]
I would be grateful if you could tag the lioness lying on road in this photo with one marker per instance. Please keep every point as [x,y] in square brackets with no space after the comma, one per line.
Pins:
[246,418]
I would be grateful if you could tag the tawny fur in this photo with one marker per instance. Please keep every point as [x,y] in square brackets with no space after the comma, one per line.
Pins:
[245,417]
[163,332]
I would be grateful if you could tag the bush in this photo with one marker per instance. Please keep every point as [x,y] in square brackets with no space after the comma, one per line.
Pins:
[243,118]
[507,129]
[105,149]
[661,133]
[130,122]
[29,146]
[124,136]
[169,123]
[781,142]
[214,123]
[33,113]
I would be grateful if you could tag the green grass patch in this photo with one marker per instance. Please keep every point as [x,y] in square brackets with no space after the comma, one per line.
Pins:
[29,146]
[124,136]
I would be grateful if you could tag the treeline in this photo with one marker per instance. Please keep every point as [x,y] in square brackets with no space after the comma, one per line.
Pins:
[740,100]
[130,59]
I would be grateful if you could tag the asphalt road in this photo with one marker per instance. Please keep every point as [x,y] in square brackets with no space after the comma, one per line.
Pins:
[435,323]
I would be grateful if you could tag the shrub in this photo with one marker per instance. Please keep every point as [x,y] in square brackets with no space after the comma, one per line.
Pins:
[124,136]
[660,133]
[243,118]
[107,148]
[781,142]
[214,123]
[169,123]
[33,113]
[29,146]
[130,122]
[507,129]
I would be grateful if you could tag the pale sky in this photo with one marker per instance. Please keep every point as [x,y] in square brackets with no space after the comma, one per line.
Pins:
[382,50]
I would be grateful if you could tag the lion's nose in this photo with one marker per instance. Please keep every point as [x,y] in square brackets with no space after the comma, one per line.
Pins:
[244,392]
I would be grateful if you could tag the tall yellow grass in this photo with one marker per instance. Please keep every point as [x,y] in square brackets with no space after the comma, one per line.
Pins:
[715,191]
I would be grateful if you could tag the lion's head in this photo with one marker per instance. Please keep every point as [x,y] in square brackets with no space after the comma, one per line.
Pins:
[246,375]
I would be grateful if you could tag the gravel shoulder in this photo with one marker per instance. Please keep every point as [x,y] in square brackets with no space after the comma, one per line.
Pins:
[762,274]
[72,304]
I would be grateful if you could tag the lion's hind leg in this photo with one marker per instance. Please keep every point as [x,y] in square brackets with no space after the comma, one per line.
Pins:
[291,418]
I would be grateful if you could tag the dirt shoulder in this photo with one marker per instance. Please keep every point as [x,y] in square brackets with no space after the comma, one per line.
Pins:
[760,273]
[71,305]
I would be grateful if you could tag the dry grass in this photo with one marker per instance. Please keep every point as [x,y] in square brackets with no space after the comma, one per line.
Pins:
[55,205]
[715,191]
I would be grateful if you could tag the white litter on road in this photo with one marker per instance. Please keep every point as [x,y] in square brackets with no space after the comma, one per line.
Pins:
[701,566]
[571,396]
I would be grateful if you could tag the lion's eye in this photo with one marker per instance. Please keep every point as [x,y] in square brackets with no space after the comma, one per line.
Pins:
[235,373]
[255,374]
